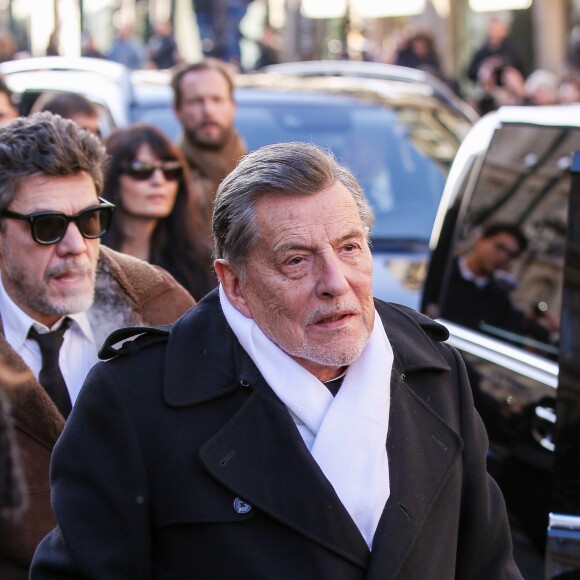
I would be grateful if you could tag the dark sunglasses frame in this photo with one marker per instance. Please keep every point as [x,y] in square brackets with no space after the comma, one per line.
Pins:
[142,170]
[106,208]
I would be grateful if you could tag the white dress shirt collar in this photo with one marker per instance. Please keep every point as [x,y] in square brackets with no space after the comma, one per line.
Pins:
[467,274]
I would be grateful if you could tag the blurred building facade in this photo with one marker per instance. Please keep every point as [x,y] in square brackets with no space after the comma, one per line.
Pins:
[541,29]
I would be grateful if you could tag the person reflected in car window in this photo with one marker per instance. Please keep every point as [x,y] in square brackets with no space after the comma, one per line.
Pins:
[479,286]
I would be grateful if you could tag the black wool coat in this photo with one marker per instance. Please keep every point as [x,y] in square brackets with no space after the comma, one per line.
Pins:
[178,461]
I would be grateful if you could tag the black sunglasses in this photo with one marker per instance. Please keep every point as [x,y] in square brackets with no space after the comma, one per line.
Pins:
[49,227]
[142,170]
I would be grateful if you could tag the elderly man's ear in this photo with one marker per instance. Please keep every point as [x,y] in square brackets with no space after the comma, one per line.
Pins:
[230,281]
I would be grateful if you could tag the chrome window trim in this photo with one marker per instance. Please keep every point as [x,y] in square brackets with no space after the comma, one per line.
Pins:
[502,354]
[567,522]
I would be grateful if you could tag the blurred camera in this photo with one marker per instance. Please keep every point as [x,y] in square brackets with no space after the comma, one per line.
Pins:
[498,75]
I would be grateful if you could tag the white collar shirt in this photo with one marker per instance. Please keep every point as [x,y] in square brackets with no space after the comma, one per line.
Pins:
[77,354]
[467,274]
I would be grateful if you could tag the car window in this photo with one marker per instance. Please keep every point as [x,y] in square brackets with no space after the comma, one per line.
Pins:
[524,184]
[402,182]
[161,116]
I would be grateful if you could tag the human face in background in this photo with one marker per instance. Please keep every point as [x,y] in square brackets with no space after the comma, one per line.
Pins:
[307,282]
[207,109]
[152,198]
[493,253]
[48,282]
[88,122]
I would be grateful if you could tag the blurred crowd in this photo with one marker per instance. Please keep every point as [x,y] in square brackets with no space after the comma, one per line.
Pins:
[501,78]
[218,23]
[496,74]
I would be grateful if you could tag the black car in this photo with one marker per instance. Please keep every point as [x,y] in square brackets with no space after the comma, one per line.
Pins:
[514,166]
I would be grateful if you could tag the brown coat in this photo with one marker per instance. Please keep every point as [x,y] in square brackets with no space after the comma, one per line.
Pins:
[129,292]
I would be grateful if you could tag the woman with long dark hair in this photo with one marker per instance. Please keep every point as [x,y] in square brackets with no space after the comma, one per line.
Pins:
[155,219]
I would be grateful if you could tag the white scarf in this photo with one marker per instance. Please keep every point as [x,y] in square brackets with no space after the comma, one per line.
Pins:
[346,434]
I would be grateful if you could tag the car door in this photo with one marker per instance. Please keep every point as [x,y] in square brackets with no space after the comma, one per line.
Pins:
[563,550]
[515,172]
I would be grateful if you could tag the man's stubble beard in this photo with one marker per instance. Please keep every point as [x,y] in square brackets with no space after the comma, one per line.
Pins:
[38,298]
[205,145]
[332,357]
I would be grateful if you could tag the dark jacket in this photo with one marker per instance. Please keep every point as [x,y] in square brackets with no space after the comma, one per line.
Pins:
[467,304]
[507,53]
[156,482]
[129,291]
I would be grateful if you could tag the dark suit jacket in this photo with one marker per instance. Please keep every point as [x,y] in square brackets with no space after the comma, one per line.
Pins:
[467,304]
[165,443]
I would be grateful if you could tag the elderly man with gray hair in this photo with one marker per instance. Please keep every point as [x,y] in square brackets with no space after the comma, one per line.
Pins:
[289,426]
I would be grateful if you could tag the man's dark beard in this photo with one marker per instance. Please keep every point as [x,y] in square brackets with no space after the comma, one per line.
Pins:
[204,145]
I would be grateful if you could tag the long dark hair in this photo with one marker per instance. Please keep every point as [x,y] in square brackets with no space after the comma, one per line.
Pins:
[178,243]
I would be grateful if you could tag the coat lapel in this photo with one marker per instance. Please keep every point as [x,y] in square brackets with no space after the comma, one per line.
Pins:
[421,447]
[422,450]
[278,476]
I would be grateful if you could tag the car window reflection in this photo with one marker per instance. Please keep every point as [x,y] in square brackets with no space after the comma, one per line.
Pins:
[524,183]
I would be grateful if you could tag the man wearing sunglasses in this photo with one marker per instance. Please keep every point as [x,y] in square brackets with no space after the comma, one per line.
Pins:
[203,100]
[58,282]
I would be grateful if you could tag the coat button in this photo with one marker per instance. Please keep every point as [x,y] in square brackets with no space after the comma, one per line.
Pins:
[241,506]
[244,383]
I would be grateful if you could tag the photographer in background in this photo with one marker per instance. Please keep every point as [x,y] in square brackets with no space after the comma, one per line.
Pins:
[497,69]
[498,84]
[498,46]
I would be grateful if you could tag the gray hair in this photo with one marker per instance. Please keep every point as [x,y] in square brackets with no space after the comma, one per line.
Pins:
[46,144]
[283,169]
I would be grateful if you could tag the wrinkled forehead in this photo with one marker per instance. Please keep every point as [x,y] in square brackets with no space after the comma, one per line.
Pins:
[327,214]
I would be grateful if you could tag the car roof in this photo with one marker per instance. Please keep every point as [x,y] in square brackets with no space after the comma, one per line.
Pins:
[273,88]
[121,90]
[373,70]
[107,83]
[347,68]
[395,89]
[329,91]
[550,115]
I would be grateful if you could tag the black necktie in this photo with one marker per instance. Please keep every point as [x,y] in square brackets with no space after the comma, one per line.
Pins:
[50,376]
